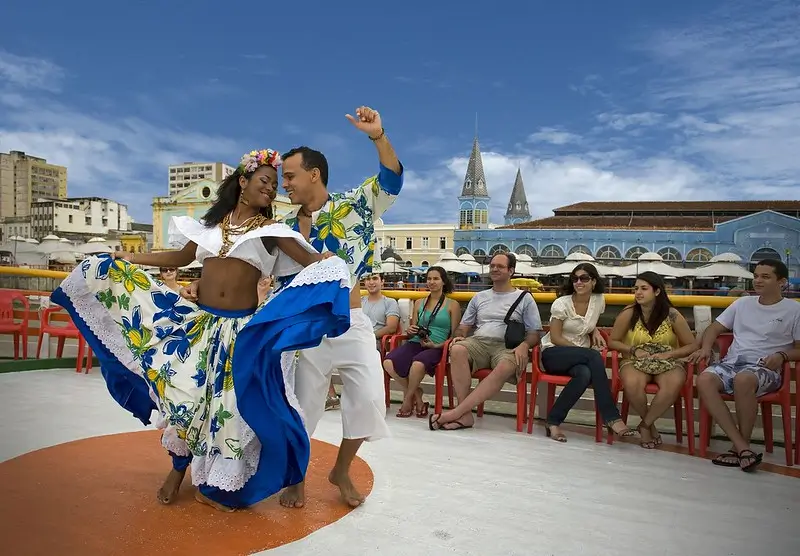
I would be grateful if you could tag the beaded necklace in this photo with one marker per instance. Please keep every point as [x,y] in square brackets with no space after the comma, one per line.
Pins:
[232,231]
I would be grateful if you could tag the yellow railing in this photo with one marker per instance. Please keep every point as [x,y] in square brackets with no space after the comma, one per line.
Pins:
[717,302]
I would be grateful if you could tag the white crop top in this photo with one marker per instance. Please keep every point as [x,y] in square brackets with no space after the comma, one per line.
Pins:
[248,247]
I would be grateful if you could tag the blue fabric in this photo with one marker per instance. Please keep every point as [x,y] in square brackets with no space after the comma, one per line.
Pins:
[297,318]
[390,182]
[227,313]
[130,391]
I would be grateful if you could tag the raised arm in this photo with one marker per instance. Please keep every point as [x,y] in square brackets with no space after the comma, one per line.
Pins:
[164,258]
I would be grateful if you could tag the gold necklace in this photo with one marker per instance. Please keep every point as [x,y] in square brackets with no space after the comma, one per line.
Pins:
[232,231]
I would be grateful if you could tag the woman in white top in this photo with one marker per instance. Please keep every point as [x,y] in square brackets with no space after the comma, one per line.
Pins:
[169,275]
[572,348]
[161,352]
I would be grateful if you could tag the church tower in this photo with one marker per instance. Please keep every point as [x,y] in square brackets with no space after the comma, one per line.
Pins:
[518,204]
[474,200]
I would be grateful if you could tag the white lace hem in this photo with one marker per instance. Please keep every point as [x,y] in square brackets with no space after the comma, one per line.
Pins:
[332,269]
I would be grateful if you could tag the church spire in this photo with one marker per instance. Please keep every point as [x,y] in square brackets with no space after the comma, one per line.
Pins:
[518,204]
[475,179]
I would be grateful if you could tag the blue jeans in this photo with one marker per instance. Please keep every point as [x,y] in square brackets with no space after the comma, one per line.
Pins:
[587,368]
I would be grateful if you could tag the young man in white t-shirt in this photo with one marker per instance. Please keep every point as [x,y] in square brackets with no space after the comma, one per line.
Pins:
[766,334]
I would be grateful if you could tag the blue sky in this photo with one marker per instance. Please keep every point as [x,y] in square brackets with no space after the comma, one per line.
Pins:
[620,100]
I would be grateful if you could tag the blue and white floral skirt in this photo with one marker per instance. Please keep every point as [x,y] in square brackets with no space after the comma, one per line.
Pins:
[214,377]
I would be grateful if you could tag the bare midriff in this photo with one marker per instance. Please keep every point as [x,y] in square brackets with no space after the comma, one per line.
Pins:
[228,284]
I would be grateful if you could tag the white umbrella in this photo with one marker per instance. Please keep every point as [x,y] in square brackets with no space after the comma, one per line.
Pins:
[572,260]
[451,263]
[652,262]
[726,258]
[726,269]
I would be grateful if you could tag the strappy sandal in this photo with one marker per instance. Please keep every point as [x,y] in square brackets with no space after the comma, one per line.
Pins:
[560,437]
[627,432]
[651,444]
[728,459]
[404,414]
[423,412]
[750,455]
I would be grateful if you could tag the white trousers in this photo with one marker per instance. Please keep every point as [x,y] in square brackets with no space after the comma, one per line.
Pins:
[354,356]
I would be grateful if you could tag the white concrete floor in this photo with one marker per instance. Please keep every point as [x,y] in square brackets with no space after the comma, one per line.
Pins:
[488,491]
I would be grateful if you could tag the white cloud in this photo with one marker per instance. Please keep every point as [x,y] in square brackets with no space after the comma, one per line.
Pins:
[620,122]
[554,136]
[29,73]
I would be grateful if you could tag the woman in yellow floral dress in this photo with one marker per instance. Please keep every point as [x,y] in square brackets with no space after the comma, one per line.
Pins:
[229,413]
[653,338]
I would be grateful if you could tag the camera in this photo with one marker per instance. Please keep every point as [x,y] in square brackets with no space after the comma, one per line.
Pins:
[423,333]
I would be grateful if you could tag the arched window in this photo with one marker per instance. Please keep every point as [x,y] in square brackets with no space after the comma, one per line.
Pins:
[670,254]
[499,248]
[764,253]
[699,255]
[634,252]
[580,249]
[462,251]
[424,263]
[552,252]
[608,253]
[526,249]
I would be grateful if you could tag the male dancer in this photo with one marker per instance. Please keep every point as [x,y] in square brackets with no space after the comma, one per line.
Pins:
[342,223]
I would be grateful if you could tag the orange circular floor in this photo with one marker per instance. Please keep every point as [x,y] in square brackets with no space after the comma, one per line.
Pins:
[97,496]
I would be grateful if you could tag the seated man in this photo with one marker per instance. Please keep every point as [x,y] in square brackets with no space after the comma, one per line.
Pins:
[766,334]
[486,313]
[383,312]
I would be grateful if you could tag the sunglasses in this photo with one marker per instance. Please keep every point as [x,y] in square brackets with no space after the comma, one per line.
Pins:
[169,270]
[582,278]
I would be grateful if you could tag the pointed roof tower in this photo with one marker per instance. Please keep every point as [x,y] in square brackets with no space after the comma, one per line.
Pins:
[518,204]
[475,179]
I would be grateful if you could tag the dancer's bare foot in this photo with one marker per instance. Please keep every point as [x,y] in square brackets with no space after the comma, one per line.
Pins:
[294,496]
[208,502]
[350,494]
[168,492]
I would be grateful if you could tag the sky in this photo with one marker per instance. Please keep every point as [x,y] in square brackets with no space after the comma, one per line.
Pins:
[593,101]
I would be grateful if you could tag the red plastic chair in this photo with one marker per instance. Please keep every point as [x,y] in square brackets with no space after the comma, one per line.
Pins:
[797,411]
[62,333]
[388,343]
[557,380]
[782,397]
[443,372]
[7,323]
[685,399]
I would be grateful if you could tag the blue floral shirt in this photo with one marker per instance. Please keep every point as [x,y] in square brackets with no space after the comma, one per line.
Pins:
[344,225]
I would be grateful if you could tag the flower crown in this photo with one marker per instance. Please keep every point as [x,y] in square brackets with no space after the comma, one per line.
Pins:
[266,157]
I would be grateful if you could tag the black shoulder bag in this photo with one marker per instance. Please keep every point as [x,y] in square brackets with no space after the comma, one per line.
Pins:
[515,330]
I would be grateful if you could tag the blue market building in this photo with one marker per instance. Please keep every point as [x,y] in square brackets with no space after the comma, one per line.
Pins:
[684,233]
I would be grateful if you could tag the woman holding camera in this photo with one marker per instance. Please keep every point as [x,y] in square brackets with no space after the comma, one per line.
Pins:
[433,321]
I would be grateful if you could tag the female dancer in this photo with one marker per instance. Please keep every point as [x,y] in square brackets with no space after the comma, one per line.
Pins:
[653,338]
[232,418]
[572,348]
[433,320]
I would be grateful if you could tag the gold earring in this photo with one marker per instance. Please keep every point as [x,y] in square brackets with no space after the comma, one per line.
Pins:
[242,200]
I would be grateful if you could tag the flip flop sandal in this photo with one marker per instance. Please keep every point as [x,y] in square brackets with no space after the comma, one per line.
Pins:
[422,413]
[751,455]
[560,437]
[431,421]
[404,414]
[725,460]
[458,426]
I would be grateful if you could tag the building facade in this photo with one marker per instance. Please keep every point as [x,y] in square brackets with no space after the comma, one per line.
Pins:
[683,233]
[194,201]
[183,175]
[24,179]
[78,218]
[416,244]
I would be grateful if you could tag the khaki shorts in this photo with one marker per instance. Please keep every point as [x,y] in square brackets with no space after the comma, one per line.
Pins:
[487,353]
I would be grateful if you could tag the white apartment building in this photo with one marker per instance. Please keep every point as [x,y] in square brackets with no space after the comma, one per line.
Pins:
[85,216]
[183,175]
[417,244]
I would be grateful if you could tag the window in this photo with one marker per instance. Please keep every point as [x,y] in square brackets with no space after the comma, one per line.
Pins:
[526,249]
[392,242]
[462,251]
[499,248]
[552,252]
[608,252]
[670,254]
[634,252]
[465,219]
[699,255]
[580,249]
[442,243]
[70,219]
[425,243]
[409,243]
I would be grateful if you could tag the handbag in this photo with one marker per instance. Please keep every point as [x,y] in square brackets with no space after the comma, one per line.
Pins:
[515,330]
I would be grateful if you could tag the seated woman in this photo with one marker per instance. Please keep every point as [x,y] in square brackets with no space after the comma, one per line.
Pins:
[652,337]
[433,321]
[229,413]
[572,348]
[169,275]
